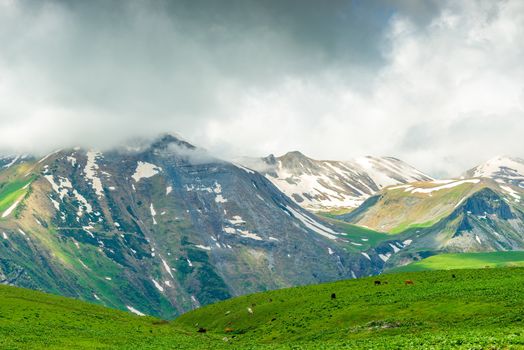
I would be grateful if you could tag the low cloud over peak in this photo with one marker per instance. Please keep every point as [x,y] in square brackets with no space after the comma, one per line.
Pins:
[438,84]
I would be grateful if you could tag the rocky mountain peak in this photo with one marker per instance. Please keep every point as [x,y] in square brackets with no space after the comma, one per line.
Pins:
[502,169]
[168,139]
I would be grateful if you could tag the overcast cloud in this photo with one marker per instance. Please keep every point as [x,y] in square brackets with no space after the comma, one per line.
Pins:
[438,84]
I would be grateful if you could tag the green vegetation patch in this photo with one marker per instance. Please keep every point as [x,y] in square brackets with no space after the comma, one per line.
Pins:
[12,191]
[34,320]
[476,309]
[460,309]
[465,261]
[364,237]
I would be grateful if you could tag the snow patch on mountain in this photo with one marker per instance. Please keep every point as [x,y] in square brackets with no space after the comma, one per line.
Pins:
[157,285]
[91,170]
[502,169]
[429,190]
[145,170]
[11,208]
[387,171]
[12,162]
[153,213]
[511,192]
[242,233]
[313,224]
[133,310]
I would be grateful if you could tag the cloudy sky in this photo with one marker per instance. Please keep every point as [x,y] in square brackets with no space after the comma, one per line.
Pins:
[439,84]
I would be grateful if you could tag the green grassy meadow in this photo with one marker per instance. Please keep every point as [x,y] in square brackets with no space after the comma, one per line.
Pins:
[34,320]
[465,261]
[476,309]
[12,191]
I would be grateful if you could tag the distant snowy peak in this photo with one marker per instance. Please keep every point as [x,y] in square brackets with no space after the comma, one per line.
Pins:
[321,185]
[388,171]
[501,168]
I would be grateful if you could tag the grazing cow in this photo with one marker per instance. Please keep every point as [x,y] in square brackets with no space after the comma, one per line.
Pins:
[453,276]
[377,283]
[385,282]
[250,311]
[202,330]
[409,282]
[333,296]
[228,330]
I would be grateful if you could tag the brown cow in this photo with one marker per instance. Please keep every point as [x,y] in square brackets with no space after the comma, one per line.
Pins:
[409,282]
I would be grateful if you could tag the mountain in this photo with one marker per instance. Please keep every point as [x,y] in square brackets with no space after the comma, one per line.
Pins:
[160,228]
[323,185]
[444,216]
[502,169]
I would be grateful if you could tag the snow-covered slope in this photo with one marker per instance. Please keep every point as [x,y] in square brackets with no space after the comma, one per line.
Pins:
[327,185]
[388,171]
[503,169]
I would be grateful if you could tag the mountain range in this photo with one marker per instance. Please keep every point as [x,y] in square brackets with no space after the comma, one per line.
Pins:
[467,214]
[163,227]
[324,185]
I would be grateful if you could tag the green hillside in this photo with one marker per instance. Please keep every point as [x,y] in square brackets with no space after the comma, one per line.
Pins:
[476,309]
[465,261]
[34,320]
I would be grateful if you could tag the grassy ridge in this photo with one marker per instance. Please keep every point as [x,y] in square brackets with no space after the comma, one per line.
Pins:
[478,309]
[465,261]
[34,320]
[389,213]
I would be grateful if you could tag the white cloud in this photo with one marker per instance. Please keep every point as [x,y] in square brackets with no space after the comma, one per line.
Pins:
[450,95]
[448,92]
